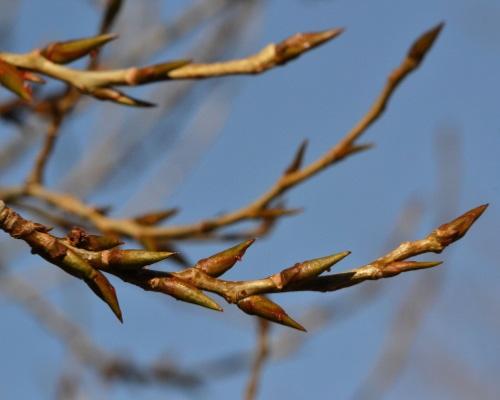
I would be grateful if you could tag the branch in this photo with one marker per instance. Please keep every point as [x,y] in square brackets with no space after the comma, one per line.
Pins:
[83,255]
[99,83]
[293,175]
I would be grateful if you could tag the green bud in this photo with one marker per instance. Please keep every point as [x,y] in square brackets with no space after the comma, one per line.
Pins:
[307,269]
[265,308]
[68,51]
[219,263]
[13,79]
[185,292]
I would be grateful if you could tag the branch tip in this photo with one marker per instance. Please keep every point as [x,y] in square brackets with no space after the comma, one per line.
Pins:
[424,43]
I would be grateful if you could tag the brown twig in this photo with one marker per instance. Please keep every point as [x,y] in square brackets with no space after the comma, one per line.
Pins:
[36,175]
[99,83]
[261,355]
[107,366]
[254,210]
[188,285]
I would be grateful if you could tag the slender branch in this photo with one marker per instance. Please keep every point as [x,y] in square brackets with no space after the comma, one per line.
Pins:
[82,256]
[108,366]
[261,355]
[98,83]
[293,176]
[36,175]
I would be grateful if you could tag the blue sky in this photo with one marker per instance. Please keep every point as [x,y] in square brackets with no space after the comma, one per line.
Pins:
[453,99]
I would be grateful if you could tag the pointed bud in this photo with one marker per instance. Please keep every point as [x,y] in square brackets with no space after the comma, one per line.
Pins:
[77,266]
[297,159]
[397,267]
[294,46]
[307,269]
[219,263]
[265,308]
[456,229]
[66,52]
[103,288]
[156,217]
[423,44]
[154,73]
[185,292]
[119,97]
[128,259]
[13,79]
[81,239]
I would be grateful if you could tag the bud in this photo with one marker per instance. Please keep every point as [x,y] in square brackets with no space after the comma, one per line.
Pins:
[154,73]
[456,229]
[126,259]
[156,217]
[397,267]
[13,79]
[307,269]
[184,292]
[423,44]
[219,263]
[265,308]
[66,52]
[81,239]
[295,45]
[119,97]
[77,266]
[297,159]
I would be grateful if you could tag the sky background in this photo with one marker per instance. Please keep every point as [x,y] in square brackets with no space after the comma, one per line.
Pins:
[436,147]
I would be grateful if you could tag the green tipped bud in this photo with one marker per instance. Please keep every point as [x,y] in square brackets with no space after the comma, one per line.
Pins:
[81,239]
[13,79]
[423,44]
[103,288]
[307,269]
[295,45]
[265,308]
[397,267]
[184,292]
[219,263]
[154,73]
[71,50]
[156,217]
[77,266]
[129,259]
[119,97]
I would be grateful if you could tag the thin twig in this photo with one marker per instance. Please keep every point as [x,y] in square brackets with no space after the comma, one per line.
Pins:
[261,355]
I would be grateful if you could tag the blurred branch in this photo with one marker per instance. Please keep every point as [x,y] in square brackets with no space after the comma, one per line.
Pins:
[261,355]
[107,366]
[99,83]
[419,298]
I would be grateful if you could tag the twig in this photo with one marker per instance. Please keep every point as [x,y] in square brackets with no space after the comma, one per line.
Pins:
[99,83]
[106,365]
[254,210]
[80,260]
[36,175]
[261,355]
